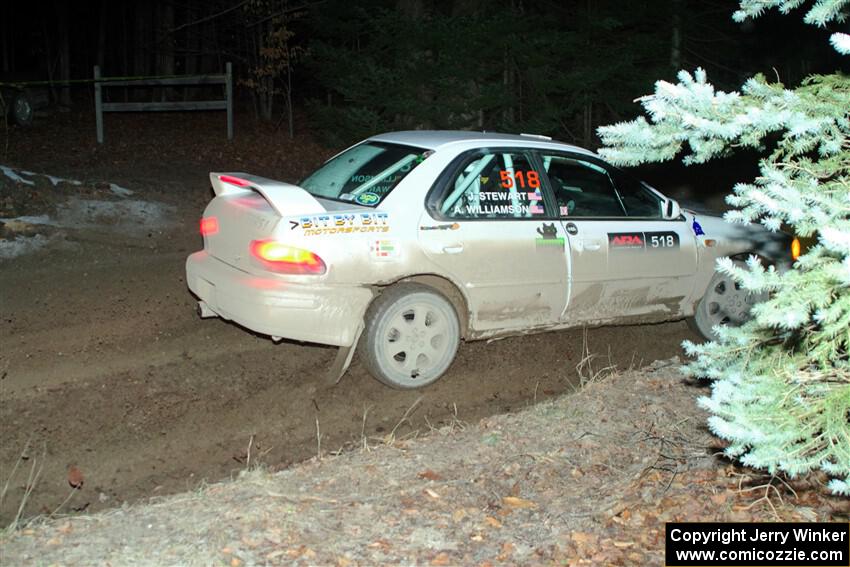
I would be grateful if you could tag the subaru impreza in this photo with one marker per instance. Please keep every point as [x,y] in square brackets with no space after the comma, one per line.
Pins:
[408,243]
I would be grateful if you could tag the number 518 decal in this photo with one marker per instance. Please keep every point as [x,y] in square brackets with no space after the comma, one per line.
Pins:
[662,240]
[523,179]
[633,241]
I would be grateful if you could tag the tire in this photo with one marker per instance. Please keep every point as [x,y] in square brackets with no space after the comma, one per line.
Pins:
[411,337]
[21,110]
[724,303]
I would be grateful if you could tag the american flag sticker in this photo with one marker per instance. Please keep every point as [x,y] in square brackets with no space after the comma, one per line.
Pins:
[384,249]
[536,209]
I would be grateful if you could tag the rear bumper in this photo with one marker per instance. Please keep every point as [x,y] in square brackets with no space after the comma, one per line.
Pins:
[303,312]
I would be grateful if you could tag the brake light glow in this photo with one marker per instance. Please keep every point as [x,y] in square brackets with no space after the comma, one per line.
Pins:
[234,180]
[284,259]
[209,225]
[796,248]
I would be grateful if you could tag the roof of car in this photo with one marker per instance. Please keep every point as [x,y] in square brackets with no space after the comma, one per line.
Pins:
[433,139]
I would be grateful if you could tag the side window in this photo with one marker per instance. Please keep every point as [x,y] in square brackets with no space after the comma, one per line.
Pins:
[494,185]
[582,188]
[638,200]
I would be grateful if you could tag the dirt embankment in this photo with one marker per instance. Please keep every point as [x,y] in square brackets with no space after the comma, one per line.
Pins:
[588,478]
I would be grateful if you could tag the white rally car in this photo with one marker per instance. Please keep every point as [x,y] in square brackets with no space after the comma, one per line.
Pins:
[417,240]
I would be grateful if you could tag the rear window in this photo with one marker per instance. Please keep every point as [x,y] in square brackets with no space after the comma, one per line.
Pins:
[364,174]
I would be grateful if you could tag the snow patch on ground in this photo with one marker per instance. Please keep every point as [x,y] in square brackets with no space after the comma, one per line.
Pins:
[21,245]
[17,177]
[125,216]
[57,180]
[11,174]
[131,217]
[120,191]
[29,219]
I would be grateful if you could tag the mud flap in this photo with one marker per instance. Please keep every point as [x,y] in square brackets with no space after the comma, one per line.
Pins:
[343,359]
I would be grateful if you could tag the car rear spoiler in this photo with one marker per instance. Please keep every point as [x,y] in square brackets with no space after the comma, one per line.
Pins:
[286,199]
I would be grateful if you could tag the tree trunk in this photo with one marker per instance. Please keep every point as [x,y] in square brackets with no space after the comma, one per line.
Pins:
[587,111]
[414,11]
[587,119]
[64,52]
[289,98]
[5,44]
[48,57]
[192,45]
[125,48]
[165,46]
[142,41]
[508,116]
[676,37]
[101,35]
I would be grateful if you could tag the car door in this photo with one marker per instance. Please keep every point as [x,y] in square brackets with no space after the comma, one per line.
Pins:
[626,260]
[488,226]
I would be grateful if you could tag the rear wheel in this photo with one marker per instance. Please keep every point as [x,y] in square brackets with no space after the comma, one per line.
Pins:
[725,303]
[411,337]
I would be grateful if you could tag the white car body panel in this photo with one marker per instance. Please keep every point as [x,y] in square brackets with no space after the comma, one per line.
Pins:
[510,284]
[502,279]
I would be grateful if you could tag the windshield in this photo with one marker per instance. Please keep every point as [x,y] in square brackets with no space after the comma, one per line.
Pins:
[364,174]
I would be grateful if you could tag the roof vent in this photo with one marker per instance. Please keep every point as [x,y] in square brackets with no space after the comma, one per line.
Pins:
[538,136]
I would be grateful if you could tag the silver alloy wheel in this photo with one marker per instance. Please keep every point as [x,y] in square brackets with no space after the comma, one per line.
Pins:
[725,303]
[412,336]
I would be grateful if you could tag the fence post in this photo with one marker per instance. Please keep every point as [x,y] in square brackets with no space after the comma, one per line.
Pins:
[228,86]
[98,105]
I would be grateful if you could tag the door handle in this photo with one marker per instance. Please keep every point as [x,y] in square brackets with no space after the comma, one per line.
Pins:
[592,244]
[453,248]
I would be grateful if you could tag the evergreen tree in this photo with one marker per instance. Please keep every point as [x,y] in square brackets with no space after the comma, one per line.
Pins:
[781,390]
[554,68]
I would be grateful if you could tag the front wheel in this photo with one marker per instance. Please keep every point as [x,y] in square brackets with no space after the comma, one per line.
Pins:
[725,303]
[411,337]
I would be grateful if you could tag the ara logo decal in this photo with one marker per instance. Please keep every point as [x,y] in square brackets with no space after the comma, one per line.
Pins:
[626,240]
[667,240]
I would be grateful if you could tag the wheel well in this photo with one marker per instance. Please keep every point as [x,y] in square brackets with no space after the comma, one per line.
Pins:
[744,256]
[444,286]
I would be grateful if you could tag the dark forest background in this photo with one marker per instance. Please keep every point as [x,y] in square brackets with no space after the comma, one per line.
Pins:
[347,69]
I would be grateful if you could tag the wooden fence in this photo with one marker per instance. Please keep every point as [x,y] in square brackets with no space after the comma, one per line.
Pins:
[221,104]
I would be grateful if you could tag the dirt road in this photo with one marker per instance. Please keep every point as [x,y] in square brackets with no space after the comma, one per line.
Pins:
[105,366]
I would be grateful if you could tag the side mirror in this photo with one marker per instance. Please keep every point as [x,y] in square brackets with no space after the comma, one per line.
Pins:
[671,210]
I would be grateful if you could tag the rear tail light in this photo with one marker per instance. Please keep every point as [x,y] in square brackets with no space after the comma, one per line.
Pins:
[209,225]
[284,259]
[234,180]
